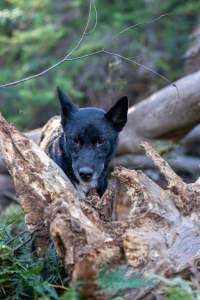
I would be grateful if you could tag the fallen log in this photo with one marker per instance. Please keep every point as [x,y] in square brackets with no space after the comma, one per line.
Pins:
[182,163]
[167,114]
[159,234]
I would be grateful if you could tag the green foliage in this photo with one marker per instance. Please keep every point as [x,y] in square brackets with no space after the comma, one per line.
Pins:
[118,280]
[175,288]
[72,293]
[177,293]
[35,34]
[22,275]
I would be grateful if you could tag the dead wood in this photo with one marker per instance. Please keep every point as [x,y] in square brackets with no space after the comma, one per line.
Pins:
[160,233]
[180,164]
[166,114]
[192,137]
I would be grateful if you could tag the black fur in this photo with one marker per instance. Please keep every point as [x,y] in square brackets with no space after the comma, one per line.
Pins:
[88,142]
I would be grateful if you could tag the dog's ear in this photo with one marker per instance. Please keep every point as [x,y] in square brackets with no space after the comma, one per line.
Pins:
[67,107]
[117,115]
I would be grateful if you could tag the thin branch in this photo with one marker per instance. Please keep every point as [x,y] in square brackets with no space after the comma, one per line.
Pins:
[85,55]
[60,61]
[84,32]
[140,65]
[96,18]
[103,50]
[127,59]
[14,83]
[138,24]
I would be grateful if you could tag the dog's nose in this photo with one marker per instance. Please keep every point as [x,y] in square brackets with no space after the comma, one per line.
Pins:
[85,173]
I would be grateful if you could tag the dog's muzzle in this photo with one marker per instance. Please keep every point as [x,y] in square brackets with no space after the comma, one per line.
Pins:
[86,174]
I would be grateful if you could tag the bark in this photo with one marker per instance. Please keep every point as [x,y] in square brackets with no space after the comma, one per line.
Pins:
[159,234]
[7,190]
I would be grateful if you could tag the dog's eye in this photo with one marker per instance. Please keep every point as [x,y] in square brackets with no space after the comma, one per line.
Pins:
[99,141]
[76,141]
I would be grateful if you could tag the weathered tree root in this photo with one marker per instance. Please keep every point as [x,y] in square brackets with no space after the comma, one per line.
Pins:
[159,235]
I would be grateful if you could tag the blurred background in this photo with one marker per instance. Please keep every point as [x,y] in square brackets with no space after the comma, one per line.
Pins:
[36,34]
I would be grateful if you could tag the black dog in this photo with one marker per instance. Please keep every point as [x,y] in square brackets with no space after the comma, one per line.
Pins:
[87,143]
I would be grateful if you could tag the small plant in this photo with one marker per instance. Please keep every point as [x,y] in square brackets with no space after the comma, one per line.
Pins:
[22,275]
[175,288]
[120,280]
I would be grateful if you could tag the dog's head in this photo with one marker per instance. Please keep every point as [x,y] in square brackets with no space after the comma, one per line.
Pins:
[90,138]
